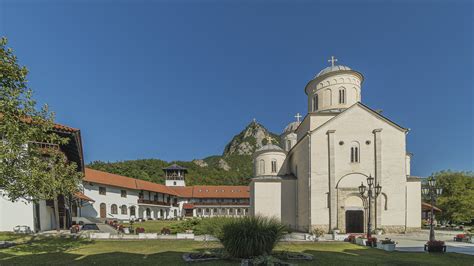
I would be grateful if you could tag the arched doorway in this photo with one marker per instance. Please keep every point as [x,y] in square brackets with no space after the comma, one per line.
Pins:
[354,221]
[103,210]
[148,213]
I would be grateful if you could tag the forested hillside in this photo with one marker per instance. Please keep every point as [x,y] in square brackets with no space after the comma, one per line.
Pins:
[233,167]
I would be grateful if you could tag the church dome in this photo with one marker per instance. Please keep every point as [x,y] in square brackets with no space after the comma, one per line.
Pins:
[291,127]
[330,69]
[269,147]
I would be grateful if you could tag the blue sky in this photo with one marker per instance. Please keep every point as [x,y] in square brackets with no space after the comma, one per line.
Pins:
[177,79]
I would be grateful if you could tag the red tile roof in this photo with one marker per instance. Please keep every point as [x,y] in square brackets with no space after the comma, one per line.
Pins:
[426,207]
[219,192]
[105,178]
[188,206]
[80,195]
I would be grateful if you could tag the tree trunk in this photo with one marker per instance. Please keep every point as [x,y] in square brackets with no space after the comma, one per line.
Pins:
[56,212]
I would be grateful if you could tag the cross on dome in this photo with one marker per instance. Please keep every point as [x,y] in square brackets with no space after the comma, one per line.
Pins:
[332,60]
[269,139]
[298,116]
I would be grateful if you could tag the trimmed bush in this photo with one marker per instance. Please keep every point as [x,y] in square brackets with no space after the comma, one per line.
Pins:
[251,236]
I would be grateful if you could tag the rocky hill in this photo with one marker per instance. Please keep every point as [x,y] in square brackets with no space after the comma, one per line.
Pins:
[233,167]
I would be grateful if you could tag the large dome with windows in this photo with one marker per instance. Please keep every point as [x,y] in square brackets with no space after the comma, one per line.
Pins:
[332,69]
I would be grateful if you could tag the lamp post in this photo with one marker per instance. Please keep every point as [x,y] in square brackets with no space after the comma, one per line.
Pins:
[431,191]
[371,194]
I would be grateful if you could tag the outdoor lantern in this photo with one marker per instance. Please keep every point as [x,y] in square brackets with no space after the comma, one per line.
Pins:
[378,189]
[370,180]
[425,190]
[439,191]
[361,189]
[431,181]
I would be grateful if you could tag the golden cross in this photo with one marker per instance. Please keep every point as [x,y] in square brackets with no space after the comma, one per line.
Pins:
[332,60]
[269,139]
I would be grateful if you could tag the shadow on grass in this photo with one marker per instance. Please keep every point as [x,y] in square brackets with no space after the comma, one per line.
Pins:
[61,251]
[110,258]
[50,244]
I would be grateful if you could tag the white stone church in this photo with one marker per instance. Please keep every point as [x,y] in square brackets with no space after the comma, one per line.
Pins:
[314,180]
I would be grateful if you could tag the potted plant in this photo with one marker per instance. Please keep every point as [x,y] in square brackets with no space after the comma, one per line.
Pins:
[317,233]
[371,242]
[387,244]
[435,246]
[460,237]
[361,240]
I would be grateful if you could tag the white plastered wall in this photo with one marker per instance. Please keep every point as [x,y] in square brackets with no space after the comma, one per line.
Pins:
[357,124]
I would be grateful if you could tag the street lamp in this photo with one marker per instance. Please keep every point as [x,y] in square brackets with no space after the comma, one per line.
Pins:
[370,195]
[432,191]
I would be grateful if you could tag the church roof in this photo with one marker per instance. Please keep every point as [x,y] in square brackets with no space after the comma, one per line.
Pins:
[175,167]
[269,147]
[105,178]
[332,69]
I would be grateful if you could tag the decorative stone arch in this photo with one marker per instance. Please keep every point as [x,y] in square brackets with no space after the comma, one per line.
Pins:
[342,96]
[328,83]
[341,80]
[354,152]
[341,183]
[327,97]
[356,95]
[384,201]
[320,85]
[334,81]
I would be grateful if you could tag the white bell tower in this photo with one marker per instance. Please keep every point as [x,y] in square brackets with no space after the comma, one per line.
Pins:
[175,176]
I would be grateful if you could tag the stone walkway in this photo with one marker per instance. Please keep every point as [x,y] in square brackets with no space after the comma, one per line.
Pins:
[414,242]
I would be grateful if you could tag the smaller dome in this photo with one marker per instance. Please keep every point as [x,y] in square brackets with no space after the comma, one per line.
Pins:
[291,127]
[269,147]
[332,69]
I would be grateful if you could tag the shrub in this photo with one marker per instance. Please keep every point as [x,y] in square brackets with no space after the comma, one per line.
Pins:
[318,232]
[212,226]
[435,243]
[387,241]
[251,236]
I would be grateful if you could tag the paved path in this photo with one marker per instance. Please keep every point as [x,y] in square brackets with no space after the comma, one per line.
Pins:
[414,242]
[105,228]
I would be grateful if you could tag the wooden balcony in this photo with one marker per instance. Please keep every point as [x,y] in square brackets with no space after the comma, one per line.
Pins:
[221,203]
[153,202]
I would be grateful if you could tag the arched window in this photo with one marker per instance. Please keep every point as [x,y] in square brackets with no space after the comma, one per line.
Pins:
[148,212]
[315,103]
[261,166]
[274,166]
[355,153]
[132,211]
[123,209]
[113,209]
[342,95]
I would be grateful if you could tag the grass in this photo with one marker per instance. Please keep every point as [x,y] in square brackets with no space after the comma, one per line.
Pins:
[157,225]
[62,251]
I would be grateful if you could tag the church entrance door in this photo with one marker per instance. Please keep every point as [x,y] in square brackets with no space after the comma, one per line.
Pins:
[354,221]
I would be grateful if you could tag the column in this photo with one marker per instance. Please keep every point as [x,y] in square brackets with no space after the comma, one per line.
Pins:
[377,205]
[332,181]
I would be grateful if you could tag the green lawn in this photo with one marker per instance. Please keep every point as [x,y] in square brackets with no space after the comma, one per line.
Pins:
[159,252]
[156,226]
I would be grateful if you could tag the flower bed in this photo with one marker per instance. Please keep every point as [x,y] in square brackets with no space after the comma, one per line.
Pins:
[435,246]
[387,244]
